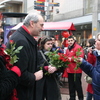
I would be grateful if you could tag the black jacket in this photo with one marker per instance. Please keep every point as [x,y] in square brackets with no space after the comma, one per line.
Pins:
[8,81]
[27,62]
[48,86]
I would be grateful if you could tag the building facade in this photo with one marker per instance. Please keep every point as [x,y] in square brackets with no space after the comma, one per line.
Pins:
[85,14]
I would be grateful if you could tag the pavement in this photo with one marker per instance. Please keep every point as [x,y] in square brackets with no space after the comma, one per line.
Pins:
[64,88]
[66,97]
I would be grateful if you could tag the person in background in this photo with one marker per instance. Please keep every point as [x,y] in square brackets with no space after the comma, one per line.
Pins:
[27,62]
[74,83]
[93,72]
[9,78]
[53,41]
[91,58]
[56,45]
[38,42]
[47,88]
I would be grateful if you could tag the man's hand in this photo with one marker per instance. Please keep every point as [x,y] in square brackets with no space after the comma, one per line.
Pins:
[51,69]
[38,75]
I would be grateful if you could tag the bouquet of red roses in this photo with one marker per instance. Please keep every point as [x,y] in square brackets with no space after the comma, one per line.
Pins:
[58,60]
[12,51]
[9,58]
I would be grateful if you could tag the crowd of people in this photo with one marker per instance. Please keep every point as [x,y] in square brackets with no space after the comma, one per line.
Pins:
[28,78]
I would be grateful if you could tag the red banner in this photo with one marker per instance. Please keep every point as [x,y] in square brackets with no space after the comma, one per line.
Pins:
[41,0]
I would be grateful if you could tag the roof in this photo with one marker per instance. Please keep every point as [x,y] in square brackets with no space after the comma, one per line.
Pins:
[59,26]
[52,26]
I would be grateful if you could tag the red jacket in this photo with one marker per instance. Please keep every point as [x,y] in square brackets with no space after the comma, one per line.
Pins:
[91,58]
[72,53]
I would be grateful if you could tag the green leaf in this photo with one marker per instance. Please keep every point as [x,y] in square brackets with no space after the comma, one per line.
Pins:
[20,47]
[12,52]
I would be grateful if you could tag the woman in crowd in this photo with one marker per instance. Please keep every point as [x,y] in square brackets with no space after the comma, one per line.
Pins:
[47,88]
[93,72]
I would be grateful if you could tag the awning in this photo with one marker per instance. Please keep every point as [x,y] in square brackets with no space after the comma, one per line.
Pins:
[48,26]
[58,26]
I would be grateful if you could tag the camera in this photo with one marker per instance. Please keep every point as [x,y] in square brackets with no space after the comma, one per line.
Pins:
[93,47]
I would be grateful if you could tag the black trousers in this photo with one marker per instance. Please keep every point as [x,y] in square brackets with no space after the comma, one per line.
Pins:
[74,80]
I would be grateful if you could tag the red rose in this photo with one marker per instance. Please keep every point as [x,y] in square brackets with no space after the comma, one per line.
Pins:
[7,58]
[46,68]
[2,51]
[11,41]
[9,66]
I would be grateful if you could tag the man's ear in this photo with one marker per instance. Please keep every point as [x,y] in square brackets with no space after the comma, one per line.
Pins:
[32,23]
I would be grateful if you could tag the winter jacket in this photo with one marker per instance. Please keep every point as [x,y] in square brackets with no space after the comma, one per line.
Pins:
[91,58]
[94,73]
[72,53]
[8,81]
[27,62]
[48,86]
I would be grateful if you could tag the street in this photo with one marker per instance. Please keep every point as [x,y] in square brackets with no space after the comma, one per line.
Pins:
[64,88]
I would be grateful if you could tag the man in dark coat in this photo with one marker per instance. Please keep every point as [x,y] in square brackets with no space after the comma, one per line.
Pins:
[27,62]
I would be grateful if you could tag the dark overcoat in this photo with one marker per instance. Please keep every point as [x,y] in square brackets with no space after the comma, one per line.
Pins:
[27,62]
[48,86]
[8,81]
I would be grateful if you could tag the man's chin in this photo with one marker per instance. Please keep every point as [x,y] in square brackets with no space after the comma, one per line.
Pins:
[38,34]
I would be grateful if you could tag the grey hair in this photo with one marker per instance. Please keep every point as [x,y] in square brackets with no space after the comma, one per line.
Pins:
[98,34]
[31,17]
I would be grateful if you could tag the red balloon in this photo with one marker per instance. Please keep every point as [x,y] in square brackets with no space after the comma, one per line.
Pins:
[65,34]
